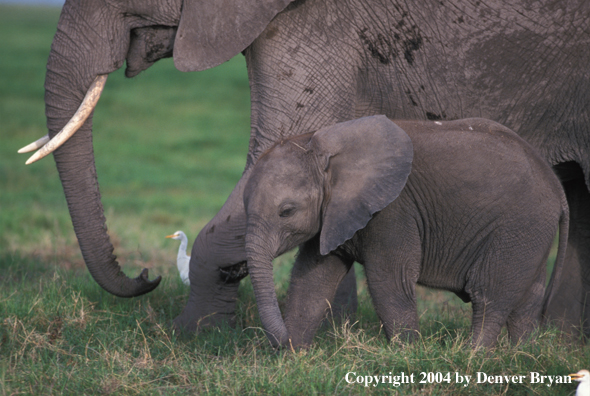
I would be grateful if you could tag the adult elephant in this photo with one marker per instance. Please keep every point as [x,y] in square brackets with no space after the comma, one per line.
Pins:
[318,62]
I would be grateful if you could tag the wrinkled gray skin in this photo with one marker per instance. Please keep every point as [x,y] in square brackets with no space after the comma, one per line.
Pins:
[477,216]
[522,63]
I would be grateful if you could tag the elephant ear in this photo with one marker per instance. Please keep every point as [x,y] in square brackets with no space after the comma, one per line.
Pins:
[213,31]
[367,163]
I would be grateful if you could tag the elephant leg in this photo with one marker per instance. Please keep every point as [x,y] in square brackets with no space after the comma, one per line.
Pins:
[314,282]
[490,301]
[507,282]
[487,321]
[393,291]
[496,295]
[569,307]
[528,284]
[345,302]
[392,250]
[527,315]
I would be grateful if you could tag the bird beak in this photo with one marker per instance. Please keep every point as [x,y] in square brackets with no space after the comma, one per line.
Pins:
[170,236]
[575,376]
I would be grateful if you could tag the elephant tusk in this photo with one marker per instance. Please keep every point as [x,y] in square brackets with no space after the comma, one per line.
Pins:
[82,114]
[35,145]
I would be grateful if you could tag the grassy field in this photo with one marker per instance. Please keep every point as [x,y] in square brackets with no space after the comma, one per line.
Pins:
[170,146]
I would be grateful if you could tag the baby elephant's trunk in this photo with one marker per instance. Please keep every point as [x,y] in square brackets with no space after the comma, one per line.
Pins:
[260,269]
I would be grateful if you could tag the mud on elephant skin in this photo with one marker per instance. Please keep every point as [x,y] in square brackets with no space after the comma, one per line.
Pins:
[466,206]
[313,63]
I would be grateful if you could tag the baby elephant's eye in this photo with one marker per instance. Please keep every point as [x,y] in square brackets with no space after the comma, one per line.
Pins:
[287,211]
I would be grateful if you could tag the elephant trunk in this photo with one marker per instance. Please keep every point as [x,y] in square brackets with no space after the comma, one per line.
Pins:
[260,267]
[67,80]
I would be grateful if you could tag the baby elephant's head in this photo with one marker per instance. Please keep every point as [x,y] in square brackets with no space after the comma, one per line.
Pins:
[330,182]
[284,195]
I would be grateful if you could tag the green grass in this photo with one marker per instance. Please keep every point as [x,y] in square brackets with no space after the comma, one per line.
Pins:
[170,146]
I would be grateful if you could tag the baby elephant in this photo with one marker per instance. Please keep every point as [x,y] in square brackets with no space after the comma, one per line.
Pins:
[465,206]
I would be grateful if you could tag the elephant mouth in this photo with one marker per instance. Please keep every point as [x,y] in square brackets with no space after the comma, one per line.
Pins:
[234,273]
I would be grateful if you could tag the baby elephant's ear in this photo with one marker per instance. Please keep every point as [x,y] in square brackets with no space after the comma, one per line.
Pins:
[368,163]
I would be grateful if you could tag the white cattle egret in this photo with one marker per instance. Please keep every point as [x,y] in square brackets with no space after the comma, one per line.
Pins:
[182,259]
[583,377]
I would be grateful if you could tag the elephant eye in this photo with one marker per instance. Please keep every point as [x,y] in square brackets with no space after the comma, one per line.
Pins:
[287,211]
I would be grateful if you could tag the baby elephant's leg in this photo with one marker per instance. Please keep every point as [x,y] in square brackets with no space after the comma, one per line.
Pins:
[507,287]
[492,298]
[392,256]
[526,315]
[314,281]
[345,302]
[392,284]
[489,315]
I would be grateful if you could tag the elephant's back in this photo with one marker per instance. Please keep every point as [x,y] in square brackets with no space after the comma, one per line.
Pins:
[482,165]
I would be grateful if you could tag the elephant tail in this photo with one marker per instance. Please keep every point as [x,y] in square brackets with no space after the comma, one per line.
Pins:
[564,221]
